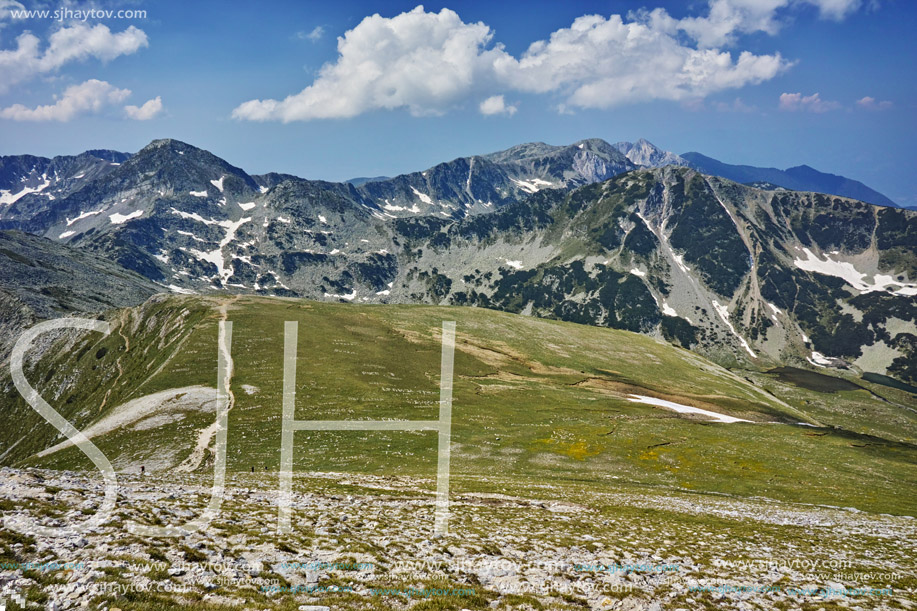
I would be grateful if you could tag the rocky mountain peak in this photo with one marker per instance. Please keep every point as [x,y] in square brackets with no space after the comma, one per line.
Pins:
[645,153]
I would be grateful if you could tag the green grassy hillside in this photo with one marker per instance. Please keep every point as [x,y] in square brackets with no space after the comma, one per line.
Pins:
[539,402]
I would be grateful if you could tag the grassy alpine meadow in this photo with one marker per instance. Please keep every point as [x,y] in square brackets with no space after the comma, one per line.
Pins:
[541,400]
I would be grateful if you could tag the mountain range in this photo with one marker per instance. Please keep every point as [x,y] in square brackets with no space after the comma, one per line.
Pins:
[799,178]
[625,236]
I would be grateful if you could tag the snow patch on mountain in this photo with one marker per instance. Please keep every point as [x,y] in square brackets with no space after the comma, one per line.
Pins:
[117,219]
[723,311]
[6,197]
[349,297]
[818,359]
[423,196]
[663,238]
[192,236]
[82,216]
[532,186]
[180,290]
[685,409]
[680,261]
[774,311]
[393,208]
[849,274]
[194,216]
[215,256]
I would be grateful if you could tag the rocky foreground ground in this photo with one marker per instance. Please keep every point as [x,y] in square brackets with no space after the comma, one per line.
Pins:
[366,542]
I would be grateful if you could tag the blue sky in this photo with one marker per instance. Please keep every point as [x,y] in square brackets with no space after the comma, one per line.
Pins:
[829,83]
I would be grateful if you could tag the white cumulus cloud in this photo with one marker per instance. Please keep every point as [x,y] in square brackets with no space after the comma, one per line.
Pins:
[425,62]
[145,112]
[88,97]
[870,103]
[77,42]
[428,62]
[601,63]
[496,105]
[796,102]
[726,19]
